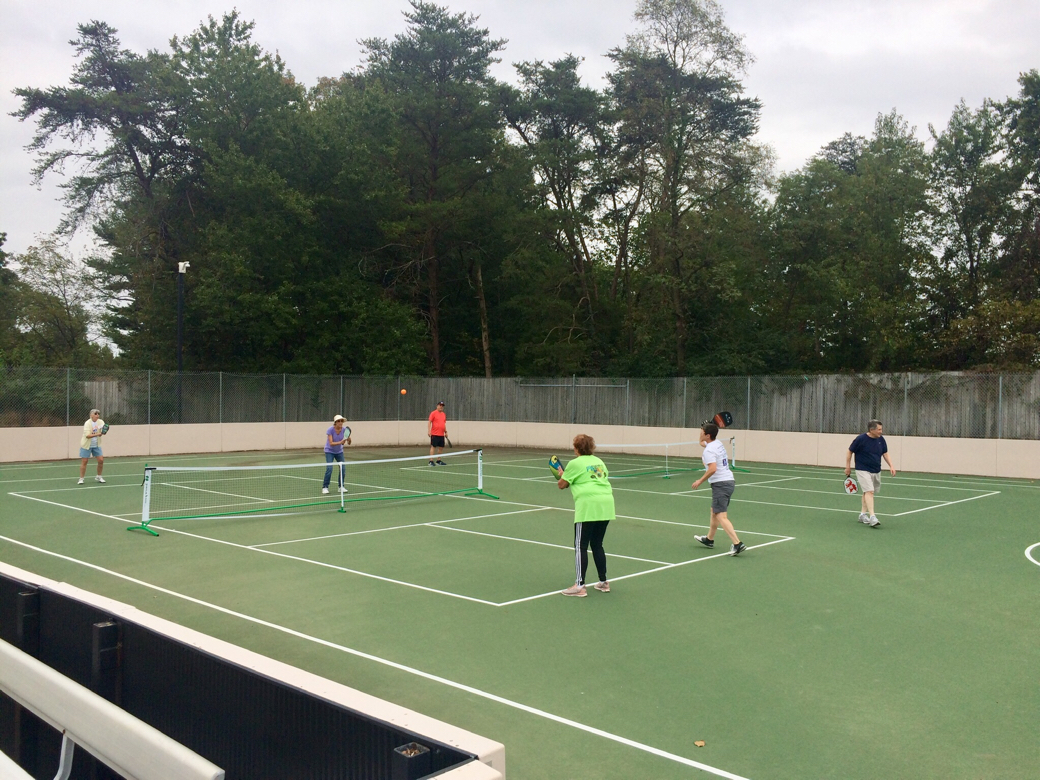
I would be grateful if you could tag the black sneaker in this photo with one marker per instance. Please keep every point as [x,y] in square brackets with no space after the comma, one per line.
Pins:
[737,549]
[441,462]
[432,463]
[705,541]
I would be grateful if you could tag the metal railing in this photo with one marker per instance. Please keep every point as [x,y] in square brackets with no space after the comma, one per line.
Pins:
[950,404]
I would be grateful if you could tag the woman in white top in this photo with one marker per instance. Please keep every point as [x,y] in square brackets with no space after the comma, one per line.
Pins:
[720,477]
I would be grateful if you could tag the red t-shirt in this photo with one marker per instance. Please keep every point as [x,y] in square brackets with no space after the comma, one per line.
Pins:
[438,423]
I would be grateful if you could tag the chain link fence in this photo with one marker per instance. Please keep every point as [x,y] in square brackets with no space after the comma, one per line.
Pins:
[913,404]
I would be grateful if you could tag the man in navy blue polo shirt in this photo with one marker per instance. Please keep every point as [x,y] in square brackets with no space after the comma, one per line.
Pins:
[869,448]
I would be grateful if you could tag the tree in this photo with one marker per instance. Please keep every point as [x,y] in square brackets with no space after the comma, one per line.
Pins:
[973,186]
[59,311]
[117,97]
[1018,268]
[9,307]
[686,127]
[563,127]
[119,125]
[848,242]
[438,75]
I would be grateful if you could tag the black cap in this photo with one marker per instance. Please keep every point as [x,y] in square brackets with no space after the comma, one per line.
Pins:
[440,403]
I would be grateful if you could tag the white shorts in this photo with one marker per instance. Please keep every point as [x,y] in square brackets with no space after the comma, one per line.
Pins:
[869,481]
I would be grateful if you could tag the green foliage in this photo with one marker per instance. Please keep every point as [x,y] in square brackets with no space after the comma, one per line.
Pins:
[417,216]
[973,184]
[53,309]
[848,241]
[9,307]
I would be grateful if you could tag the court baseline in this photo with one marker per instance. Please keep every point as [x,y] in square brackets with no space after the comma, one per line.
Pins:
[394,665]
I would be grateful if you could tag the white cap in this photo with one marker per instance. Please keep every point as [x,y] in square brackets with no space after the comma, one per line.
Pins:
[339,417]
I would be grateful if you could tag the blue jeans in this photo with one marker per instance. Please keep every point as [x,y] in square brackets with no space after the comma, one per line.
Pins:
[329,458]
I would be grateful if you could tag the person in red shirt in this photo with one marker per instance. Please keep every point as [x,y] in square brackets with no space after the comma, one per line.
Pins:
[437,429]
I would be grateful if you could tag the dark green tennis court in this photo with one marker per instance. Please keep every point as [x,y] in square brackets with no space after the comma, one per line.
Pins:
[827,650]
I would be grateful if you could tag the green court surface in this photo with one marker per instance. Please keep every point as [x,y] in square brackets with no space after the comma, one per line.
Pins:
[827,650]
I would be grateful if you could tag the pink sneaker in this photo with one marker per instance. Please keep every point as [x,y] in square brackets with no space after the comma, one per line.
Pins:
[602,587]
[575,590]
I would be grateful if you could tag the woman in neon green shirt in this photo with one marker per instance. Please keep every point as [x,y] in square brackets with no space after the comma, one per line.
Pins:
[587,478]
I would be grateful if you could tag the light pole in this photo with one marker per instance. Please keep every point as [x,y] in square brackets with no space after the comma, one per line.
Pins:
[182,268]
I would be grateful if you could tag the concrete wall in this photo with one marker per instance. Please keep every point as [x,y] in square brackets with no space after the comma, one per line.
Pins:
[984,457]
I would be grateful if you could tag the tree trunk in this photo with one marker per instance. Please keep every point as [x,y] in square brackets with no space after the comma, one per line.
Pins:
[485,336]
[432,279]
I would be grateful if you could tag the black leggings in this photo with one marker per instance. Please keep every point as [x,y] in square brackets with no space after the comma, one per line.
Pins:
[584,535]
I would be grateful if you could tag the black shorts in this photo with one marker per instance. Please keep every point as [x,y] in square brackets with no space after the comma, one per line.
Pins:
[436,441]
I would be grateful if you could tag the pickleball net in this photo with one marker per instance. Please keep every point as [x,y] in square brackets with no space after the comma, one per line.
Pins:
[662,459]
[657,459]
[185,492]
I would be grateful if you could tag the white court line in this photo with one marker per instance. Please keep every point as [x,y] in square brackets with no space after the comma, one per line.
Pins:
[66,506]
[400,667]
[705,494]
[913,481]
[215,492]
[887,496]
[399,527]
[803,490]
[768,481]
[359,573]
[276,554]
[81,488]
[699,525]
[542,544]
[1029,551]
[652,571]
[625,517]
[948,503]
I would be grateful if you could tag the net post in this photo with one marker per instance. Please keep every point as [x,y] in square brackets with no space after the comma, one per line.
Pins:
[480,478]
[733,459]
[146,500]
[342,467]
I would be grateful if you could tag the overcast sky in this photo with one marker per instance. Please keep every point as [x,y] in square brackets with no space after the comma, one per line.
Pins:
[822,67]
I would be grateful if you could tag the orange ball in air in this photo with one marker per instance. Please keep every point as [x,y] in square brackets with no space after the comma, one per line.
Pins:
[404,392]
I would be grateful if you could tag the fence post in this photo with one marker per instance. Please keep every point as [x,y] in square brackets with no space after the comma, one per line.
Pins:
[1000,405]
[68,397]
[574,399]
[340,394]
[684,403]
[283,397]
[820,393]
[220,397]
[628,402]
[149,396]
[906,407]
[748,426]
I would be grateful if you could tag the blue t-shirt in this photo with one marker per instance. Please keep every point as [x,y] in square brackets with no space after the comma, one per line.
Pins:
[868,452]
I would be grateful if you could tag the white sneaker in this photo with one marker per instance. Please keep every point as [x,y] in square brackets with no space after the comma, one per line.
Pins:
[99,478]
[324,491]
[80,481]
[873,522]
[343,490]
[864,517]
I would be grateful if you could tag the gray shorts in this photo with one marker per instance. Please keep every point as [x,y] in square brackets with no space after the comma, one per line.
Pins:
[721,493]
[869,481]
